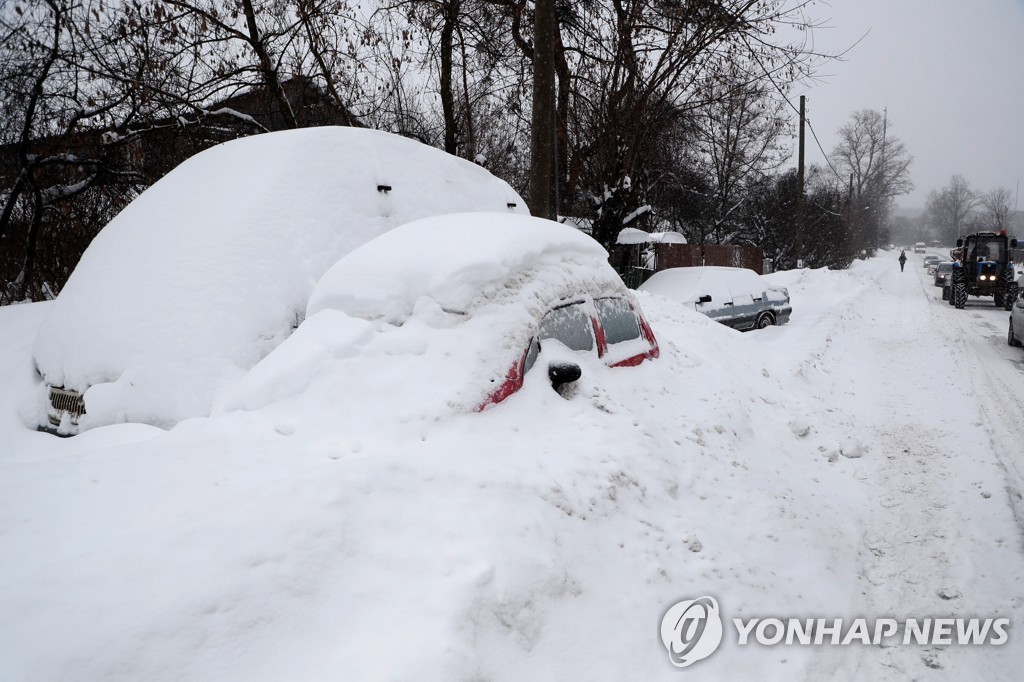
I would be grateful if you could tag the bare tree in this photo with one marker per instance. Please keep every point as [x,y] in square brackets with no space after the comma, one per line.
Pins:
[878,165]
[997,209]
[738,138]
[948,209]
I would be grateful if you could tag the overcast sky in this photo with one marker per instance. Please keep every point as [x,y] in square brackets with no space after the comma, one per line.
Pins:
[951,74]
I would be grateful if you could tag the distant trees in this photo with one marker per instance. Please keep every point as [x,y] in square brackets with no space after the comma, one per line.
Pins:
[957,209]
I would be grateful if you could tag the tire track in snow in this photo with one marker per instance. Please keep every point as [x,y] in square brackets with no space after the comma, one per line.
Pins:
[927,541]
[998,385]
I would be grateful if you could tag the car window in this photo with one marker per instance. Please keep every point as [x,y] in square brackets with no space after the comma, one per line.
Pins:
[569,324]
[618,320]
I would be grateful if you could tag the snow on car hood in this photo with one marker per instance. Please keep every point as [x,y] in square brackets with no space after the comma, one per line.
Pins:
[428,318]
[211,268]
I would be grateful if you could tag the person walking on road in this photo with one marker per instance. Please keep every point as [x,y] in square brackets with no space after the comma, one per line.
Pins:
[903,259]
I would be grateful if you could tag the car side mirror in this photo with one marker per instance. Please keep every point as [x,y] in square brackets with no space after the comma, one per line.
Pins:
[562,373]
[704,299]
[959,243]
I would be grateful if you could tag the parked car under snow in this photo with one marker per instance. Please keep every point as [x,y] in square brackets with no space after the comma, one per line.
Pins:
[737,297]
[451,313]
[211,268]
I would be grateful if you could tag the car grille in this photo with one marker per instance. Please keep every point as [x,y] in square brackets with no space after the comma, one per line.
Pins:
[66,400]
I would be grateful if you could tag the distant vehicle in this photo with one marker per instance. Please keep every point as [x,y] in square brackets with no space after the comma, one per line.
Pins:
[736,297]
[931,260]
[984,269]
[943,271]
[919,247]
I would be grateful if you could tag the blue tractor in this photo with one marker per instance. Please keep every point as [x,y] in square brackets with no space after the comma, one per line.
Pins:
[982,267]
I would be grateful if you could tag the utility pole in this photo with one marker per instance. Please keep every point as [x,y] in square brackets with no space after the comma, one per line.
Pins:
[800,192]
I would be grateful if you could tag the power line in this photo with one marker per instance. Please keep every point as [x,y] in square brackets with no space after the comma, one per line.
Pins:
[771,79]
[827,160]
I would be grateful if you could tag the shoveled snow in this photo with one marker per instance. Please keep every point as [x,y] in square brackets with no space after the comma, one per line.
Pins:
[328,535]
[211,268]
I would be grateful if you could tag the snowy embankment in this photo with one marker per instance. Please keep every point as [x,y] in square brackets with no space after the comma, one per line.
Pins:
[540,539]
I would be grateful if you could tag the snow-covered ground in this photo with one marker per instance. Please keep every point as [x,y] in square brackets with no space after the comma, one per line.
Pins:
[863,460]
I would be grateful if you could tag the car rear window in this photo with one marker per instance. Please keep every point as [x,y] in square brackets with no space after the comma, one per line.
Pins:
[618,320]
[569,324]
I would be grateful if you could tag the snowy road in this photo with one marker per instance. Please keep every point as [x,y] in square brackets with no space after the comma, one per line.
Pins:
[943,395]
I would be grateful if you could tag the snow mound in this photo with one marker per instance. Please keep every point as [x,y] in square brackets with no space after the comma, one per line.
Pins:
[211,268]
[632,235]
[427,319]
[474,257]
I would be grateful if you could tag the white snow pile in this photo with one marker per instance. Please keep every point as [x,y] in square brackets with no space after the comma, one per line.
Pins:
[431,334]
[211,268]
[351,525]
[474,258]
[632,235]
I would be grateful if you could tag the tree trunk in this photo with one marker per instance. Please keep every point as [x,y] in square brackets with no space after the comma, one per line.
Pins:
[542,135]
[267,66]
[450,16]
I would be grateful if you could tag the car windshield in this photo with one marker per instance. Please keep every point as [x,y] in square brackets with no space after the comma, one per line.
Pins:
[945,267]
[987,249]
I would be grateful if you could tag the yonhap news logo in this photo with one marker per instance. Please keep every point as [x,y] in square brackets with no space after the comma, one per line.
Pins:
[693,629]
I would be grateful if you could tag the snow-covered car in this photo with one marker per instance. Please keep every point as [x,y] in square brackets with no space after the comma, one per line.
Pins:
[737,297]
[453,312]
[211,268]
[920,247]
[942,272]
[930,261]
[1015,336]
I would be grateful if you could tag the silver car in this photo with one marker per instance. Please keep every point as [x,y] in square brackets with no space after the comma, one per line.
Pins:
[736,297]
[1015,337]
[943,271]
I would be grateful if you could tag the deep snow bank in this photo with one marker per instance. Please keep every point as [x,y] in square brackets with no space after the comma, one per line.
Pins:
[329,535]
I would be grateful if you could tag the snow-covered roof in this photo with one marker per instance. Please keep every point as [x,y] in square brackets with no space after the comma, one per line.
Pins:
[631,235]
[211,268]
